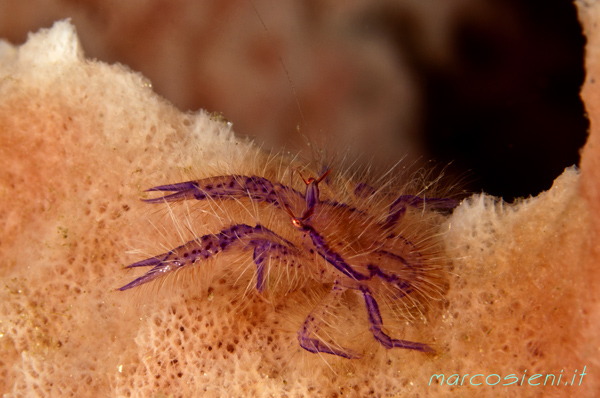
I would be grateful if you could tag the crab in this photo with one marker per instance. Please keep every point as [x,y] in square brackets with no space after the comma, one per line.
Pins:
[342,246]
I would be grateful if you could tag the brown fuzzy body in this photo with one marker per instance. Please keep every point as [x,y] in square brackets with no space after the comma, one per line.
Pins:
[384,255]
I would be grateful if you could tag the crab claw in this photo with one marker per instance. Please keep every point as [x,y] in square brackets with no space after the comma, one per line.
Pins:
[184,190]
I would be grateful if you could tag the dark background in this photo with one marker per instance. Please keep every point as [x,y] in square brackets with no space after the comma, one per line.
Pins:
[490,86]
[509,110]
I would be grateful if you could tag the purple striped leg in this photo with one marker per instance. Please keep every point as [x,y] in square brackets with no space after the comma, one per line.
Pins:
[264,242]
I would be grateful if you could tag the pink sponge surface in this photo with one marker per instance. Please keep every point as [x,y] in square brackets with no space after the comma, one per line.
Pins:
[80,141]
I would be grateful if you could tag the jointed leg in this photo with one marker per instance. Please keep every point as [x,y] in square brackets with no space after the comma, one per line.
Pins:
[229,187]
[379,256]
[311,325]
[377,323]
[398,207]
[241,237]
[405,269]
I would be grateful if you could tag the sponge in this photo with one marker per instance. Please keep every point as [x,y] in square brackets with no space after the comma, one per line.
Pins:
[79,143]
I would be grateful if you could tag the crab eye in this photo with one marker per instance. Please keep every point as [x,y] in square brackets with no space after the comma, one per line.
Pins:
[296,223]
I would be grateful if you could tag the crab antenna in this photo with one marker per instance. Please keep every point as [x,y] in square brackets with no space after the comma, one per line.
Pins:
[310,180]
[307,213]
[325,174]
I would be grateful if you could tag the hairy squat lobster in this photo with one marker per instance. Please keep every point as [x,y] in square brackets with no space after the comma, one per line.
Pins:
[336,244]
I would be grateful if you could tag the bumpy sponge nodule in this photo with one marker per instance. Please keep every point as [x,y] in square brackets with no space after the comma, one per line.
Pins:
[81,140]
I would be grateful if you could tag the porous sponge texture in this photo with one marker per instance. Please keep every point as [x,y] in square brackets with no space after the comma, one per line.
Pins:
[81,140]
[516,303]
[65,149]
